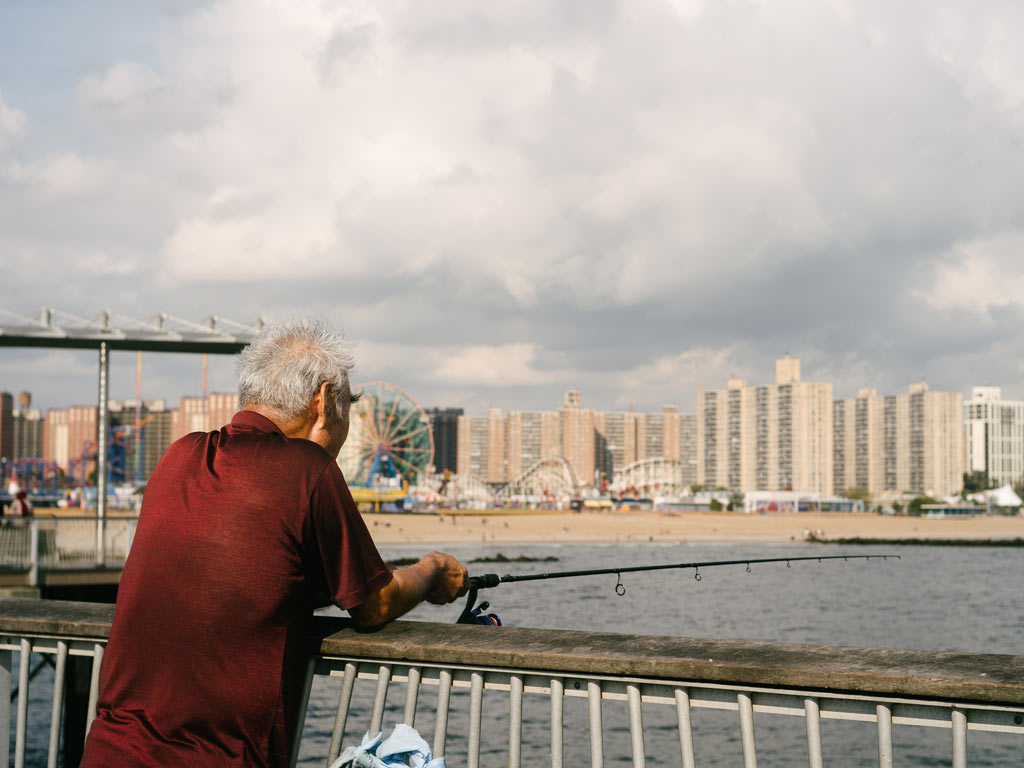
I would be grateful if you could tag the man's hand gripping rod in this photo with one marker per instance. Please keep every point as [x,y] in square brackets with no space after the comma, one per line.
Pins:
[471,615]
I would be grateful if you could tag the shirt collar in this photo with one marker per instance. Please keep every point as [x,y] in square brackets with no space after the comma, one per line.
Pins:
[253,420]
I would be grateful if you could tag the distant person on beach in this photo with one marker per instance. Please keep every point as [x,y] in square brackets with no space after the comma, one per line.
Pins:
[243,532]
[21,506]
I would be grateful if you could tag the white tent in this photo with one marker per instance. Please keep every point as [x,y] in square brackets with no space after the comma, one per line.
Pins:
[997,497]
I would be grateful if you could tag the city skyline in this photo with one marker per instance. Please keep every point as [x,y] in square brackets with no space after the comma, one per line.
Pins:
[792,435]
[220,377]
[632,199]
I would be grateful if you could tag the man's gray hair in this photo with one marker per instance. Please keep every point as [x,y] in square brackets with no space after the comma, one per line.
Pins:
[286,364]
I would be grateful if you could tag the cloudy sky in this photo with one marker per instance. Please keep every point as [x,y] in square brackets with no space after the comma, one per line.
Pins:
[501,200]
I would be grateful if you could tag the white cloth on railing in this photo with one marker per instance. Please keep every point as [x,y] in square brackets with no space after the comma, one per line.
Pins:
[404,748]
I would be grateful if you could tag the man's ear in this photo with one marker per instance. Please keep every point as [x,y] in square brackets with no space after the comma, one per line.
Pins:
[321,403]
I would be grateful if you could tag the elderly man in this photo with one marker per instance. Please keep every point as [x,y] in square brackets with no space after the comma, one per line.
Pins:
[243,532]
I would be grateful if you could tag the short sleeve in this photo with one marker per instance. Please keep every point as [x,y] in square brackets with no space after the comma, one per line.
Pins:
[342,560]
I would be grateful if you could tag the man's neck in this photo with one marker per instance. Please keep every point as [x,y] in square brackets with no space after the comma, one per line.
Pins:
[296,427]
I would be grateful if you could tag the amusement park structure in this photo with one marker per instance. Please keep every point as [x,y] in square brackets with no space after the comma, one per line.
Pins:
[654,476]
[549,482]
[390,446]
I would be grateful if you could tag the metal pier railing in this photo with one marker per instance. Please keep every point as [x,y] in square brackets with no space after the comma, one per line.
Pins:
[512,696]
[35,545]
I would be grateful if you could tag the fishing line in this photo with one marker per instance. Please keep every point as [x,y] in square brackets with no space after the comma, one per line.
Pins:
[471,615]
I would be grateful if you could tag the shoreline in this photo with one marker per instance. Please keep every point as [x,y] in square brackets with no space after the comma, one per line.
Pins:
[542,526]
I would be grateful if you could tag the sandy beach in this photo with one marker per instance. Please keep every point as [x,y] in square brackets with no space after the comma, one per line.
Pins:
[508,526]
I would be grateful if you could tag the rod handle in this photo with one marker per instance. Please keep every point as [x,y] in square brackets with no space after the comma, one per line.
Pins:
[485,581]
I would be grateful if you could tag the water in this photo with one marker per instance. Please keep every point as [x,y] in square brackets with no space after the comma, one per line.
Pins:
[934,598]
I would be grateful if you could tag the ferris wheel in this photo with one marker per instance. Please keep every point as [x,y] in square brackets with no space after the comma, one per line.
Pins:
[389,438]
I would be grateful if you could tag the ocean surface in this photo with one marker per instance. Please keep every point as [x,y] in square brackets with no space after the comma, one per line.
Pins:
[934,598]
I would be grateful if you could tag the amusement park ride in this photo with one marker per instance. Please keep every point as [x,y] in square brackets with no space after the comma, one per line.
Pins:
[49,483]
[390,446]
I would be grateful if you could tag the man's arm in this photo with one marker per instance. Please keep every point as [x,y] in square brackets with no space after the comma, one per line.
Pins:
[437,578]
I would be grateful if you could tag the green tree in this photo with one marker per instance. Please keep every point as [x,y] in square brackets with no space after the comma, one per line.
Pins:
[914,507]
[1018,487]
[716,505]
[975,482]
[735,501]
[857,493]
[897,507]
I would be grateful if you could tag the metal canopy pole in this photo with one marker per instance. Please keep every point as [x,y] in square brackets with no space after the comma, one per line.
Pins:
[101,452]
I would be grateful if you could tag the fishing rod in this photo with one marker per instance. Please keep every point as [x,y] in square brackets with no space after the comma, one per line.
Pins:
[471,615]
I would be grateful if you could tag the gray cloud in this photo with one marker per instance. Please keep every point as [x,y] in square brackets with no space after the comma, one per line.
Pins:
[629,198]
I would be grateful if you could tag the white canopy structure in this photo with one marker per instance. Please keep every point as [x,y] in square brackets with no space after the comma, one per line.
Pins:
[997,497]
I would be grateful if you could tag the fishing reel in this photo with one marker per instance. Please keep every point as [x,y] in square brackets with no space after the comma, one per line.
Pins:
[477,615]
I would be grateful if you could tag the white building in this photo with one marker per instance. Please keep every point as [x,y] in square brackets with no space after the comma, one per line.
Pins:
[994,432]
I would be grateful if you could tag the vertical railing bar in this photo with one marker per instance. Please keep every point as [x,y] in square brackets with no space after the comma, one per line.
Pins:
[596,724]
[6,662]
[746,708]
[412,692]
[21,726]
[58,704]
[636,725]
[959,738]
[515,721]
[33,572]
[812,717]
[444,690]
[884,716]
[685,727]
[557,694]
[380,699]
[476,700]
[94,685]
[300,715]
[348,682]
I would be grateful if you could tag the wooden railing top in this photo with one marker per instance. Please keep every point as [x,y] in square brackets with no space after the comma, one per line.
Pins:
[967,677]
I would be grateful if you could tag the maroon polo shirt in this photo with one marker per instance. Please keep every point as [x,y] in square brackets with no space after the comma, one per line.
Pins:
[243,532]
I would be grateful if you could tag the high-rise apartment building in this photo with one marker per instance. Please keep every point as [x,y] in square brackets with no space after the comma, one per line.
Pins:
[905,443]
[858,442]
[671,433]
[776,437]
[203,414]
[994,433]
[444,426]
[614,443]
[532,436]
[28,433]
[595,444]
[472,447]
[27,428]
[141,433]
[497,454]
[578,437]
[650,436]
[6,426]
[688,448]
[69,439]
[156,439]
[221,408]
[935,434]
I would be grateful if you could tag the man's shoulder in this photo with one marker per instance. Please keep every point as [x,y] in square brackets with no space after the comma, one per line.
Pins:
[286,449]
[241,448]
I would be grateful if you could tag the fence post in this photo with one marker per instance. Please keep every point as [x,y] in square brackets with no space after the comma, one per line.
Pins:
[100,544]
[5,707]
[33,545]
[132,525]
